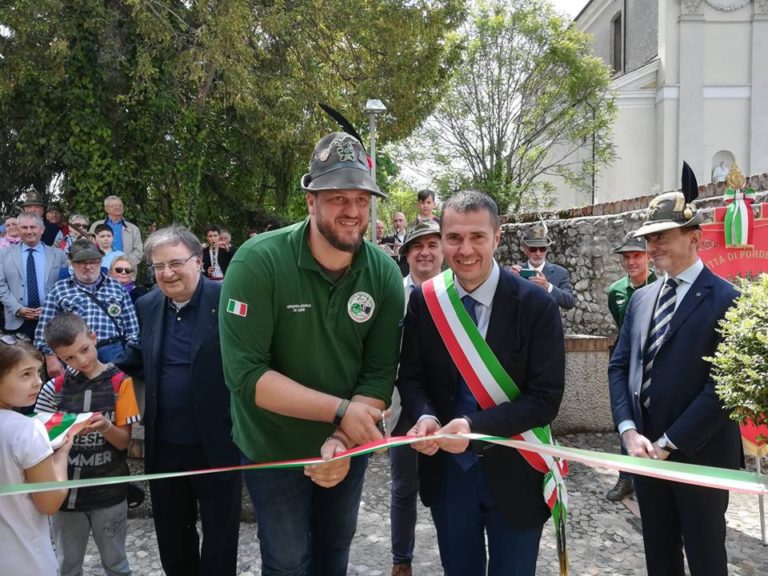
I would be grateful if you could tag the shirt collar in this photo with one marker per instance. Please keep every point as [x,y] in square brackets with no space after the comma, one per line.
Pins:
[90,287]
[193,302]
[115,222]
[485,292]
[39,248]
[690,274]
[409,283]
[300,238]
[539,268]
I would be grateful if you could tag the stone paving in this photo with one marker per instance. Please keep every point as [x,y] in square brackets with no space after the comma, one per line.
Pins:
[604,538]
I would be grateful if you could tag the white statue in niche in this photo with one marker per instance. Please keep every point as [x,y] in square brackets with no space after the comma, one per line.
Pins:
[720,173]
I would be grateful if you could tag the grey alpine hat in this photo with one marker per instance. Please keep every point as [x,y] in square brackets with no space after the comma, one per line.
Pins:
[339,162]
[632,243]
[83,249]
[425,228]
[536,237]
[668,211]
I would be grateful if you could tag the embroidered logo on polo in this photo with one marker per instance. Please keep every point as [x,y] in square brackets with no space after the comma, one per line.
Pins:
[298,307]
[360,307]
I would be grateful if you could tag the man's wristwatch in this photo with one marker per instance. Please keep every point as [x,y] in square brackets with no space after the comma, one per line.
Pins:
[665,444]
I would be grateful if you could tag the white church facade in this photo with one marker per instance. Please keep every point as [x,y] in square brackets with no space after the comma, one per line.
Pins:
[691,83]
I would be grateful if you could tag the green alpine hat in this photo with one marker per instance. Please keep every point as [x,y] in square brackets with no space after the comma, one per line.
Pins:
[83,249]
[668,211]
[536,237]
[417,231]
[631,244]
[339,162]
[33,198]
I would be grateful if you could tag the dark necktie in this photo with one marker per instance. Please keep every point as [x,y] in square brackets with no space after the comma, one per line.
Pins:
[665,307]
[33,293]
[465,402]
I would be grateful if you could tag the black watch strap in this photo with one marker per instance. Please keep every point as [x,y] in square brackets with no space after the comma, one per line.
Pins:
[340,411]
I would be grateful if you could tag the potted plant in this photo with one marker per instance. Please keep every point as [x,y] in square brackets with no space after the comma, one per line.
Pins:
[740,364]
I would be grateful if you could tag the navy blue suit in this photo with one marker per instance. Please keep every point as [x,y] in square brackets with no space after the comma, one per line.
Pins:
[684,405]
[560,279]
[526,335]
[175,502]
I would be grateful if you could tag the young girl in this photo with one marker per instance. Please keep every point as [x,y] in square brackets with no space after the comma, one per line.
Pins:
[26,456]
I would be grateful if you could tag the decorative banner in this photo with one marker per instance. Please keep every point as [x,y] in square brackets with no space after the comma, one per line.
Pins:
[729,263]
[721,478]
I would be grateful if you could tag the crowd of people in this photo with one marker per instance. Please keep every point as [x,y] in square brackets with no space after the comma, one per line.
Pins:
[309,341]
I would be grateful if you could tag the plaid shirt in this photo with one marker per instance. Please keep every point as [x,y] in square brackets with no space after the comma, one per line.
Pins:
[68,296]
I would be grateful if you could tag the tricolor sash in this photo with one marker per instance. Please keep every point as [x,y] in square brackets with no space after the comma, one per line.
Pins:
[491,385]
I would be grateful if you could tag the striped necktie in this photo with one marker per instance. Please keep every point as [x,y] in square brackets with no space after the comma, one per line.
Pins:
[665,307]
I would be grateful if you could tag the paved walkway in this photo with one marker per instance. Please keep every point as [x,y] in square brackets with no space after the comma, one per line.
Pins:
[604,538]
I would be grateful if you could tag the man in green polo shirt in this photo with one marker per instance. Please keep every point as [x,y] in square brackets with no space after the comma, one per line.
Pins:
[310,342]
[634,261]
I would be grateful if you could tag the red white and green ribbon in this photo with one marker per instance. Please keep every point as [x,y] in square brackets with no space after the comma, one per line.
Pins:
[491,385]
[59,424]
[739,221]
[707,476]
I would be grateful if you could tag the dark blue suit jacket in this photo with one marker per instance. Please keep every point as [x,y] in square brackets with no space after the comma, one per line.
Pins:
[562,291]
[526,335]
[684,404]
[211,396]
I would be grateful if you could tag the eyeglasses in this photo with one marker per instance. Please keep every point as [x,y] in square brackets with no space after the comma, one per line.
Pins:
[537,248]
[121,270]
[174,265]
[87,263]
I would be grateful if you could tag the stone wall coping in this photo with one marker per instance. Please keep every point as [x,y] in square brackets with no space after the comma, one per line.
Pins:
[758,183]
[587,343]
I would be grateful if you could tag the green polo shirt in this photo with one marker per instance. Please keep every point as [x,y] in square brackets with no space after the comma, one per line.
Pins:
[619,294]
[280,312]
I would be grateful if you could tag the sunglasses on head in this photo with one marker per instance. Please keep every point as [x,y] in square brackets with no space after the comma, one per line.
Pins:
[121,270]
[537,248]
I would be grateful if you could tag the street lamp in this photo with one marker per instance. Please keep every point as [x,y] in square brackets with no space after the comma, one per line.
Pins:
[372,108]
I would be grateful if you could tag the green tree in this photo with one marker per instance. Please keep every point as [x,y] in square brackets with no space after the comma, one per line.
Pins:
[519,107]
[207,110]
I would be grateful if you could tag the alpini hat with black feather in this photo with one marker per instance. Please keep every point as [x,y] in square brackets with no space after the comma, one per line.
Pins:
[339,162]
[673,209]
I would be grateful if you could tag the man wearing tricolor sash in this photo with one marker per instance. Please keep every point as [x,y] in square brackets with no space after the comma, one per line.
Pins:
[483,352]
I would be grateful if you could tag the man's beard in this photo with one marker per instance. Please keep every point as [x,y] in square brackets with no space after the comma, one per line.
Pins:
[334,241]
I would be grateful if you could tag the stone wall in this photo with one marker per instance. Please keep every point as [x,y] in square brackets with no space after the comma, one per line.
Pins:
[586,405]
[584,246]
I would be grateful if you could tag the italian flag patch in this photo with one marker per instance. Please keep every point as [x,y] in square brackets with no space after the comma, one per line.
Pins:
[237,308]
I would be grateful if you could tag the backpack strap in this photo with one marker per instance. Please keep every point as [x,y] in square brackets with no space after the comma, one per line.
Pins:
[117,379]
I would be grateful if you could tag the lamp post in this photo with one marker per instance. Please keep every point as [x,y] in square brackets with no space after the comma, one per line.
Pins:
[372,108]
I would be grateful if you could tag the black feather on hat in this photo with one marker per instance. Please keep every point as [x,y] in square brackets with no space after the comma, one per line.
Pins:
[345,124]
[689,184]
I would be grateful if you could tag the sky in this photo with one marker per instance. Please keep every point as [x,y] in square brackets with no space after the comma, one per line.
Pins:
[569,7]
